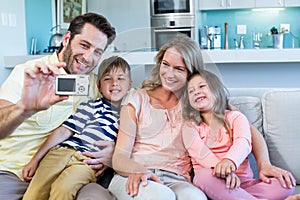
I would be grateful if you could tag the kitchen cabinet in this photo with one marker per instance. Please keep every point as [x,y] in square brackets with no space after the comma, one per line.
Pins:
[225,4]
[269,3]
[292,3]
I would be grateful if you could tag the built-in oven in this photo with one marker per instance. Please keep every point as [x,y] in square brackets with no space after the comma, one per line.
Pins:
[166,27]
[161,36]
[175,7]
[170,18]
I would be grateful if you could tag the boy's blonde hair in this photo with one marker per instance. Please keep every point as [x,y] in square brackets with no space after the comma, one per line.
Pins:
[112,63]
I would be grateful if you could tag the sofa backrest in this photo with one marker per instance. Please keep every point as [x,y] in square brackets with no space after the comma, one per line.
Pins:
[281,127]
[276,113]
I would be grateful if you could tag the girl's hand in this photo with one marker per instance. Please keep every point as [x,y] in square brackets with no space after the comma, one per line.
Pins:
[135,179]
[224,168]
[232,181]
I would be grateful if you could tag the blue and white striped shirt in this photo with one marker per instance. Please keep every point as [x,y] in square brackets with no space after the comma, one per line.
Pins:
[93,120]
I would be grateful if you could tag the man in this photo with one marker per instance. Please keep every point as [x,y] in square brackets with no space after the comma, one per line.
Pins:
[27,118]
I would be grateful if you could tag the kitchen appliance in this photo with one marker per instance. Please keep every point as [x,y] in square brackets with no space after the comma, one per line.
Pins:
[210,37]
[55,39]
[170,18]
[174,7]
[163,29]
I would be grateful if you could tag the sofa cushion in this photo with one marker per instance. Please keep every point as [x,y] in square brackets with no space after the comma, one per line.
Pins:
[250,107]
[281,119]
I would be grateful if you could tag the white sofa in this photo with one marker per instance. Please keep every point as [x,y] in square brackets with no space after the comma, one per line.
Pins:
[276,113]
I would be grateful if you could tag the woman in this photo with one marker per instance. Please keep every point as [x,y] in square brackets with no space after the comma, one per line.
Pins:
[149,147]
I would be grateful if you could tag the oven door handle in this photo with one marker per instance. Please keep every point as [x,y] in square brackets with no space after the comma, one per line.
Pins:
[171,30]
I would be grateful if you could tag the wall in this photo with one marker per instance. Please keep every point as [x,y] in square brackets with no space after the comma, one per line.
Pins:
[261,75]
[38,22]
[12,29]
[131,18]
[255,21]
[134,26]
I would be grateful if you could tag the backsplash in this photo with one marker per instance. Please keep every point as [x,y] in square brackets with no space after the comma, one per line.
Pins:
[39,27]
[256,21]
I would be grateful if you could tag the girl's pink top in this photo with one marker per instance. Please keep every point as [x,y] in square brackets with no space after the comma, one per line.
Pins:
[207,151]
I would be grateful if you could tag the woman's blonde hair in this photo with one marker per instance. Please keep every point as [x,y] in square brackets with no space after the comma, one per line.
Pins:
[220,94]
[190,52]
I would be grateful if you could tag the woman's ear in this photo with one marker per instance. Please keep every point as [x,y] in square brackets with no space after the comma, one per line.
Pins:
[129,85]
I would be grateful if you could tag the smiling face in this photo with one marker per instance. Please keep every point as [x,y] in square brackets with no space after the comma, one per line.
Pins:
[84,51]
[200,96]
[114,85]
[173,72]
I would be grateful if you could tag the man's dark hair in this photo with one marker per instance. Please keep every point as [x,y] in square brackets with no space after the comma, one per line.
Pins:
[94,19]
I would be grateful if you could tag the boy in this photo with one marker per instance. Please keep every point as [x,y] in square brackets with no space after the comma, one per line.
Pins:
[61,173]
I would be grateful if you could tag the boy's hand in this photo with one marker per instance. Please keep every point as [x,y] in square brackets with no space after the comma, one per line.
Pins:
[29,170]
[224,168]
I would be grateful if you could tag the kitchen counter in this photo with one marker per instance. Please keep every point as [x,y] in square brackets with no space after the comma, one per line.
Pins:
[221,56]
[252,56]
[210,56]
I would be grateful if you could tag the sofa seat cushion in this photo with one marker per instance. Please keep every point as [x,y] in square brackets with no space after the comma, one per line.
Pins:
[281,128]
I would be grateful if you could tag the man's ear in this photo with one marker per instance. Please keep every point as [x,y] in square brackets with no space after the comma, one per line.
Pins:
[66,38]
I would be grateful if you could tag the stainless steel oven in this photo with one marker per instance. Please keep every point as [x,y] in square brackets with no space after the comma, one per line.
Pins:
[163,29]
[170,18]
[175,7]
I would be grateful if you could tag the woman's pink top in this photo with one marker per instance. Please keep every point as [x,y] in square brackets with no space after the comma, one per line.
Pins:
[158,142]
[207,151]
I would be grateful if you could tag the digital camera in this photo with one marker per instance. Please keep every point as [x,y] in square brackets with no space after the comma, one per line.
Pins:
[72,84]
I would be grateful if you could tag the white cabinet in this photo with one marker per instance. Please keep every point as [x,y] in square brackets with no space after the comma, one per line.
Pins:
[269,3]
[225,4]
[291,3]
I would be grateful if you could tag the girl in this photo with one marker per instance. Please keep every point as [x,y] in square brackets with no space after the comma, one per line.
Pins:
[220,143]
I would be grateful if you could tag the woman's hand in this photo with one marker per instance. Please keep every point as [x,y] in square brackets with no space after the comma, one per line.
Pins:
[286,179]
[224,168]
[134,180]
[293,197]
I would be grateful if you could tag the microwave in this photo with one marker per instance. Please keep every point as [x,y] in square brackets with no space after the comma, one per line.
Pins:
[174,7]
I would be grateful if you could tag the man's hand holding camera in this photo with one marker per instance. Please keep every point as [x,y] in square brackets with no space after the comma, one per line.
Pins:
[38,91]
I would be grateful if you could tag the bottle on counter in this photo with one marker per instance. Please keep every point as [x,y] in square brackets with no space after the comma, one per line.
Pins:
[242,45]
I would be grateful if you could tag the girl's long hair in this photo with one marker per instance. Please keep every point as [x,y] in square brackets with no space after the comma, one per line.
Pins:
[220,94]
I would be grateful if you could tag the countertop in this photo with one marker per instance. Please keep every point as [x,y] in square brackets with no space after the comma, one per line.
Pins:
[210,56]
